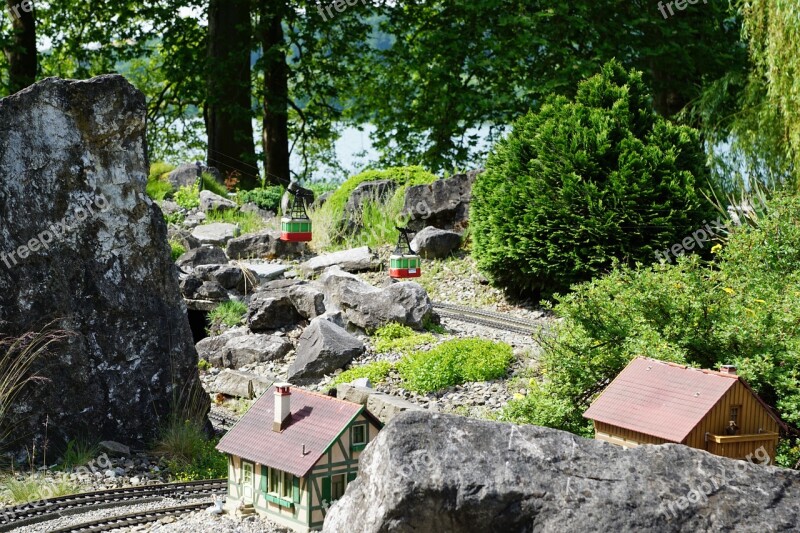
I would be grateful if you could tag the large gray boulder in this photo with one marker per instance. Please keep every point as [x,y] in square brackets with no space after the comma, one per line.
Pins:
[368,307]
[308,300]
[229,276]
[382,406]
[187,175]
[268,310]
[435,243]
[235,350]
[322,348]
[210,201]
[352,260]
[443,203]
[265,244]
[376,192]
[240,384]
[433,472]
[216,233]
[204,255]
[82,244]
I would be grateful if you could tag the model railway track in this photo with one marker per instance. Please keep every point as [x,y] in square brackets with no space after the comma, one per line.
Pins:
[133,519]
[221,418]
[12,518]
[491,319]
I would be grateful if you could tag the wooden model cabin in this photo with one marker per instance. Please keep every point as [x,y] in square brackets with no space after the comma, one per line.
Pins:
[653,402]
[293,453]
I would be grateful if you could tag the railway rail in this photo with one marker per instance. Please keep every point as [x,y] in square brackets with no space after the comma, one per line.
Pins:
[132,519]
[12,518]
[221,418]
[491,319]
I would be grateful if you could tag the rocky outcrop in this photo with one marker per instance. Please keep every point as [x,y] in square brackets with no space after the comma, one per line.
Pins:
[236,349]
[204,255]
[240,384]
[434,243]
[377,192]
[210,201]
[383,406]
[432,472]
[216,233]
[309,301]
[270,310]
[443,203]
[353,260]
[81,243]
[322,348]
[230,277]
[368,307]
[265,244]
[187,175]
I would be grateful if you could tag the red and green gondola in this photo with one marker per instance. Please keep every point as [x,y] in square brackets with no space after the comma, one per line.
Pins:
[404,263]
[295,224]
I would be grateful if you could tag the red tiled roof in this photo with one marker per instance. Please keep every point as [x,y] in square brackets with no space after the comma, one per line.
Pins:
[316,421]
[661,399]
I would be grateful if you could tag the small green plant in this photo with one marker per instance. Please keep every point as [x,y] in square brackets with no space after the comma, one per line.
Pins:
[188,196]
[268,198]
[395,337]
[78,452]
[454,362]
[230,313]
[177,249]
[190,456]
[159,170]
[376,372]
[211,184]
[247,222]
[33,488]
[158,190]
[203,365]
[174,218]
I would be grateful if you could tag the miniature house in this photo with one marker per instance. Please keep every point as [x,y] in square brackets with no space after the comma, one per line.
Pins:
[653,402]
[293,453]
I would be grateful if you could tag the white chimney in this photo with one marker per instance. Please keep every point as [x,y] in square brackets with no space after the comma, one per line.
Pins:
[283,398]
[728,369]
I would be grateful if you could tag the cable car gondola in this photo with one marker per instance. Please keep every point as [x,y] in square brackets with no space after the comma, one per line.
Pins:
[295,224]
[404,263]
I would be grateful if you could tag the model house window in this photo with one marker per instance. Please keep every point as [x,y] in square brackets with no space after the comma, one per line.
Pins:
[247,473]
[337,487]
[359,434]
[735,413]
[274,480]
[286,488]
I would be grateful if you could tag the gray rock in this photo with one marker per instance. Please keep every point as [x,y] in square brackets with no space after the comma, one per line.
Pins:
[204,255]
[264,272]
[210,201]
[443,203]
[250,207]
[182,237]
[271,310]
[240,384]
[351,392]
[114,448]
[362,382]
[229,276]
[211,290]
[236,350]
[322,348]
[187,174]
[265,245]
[434,243]
[368,307]
[216,233]
[81,241]
[168,207]
[308,300]
[368,191]
[434,472]
[353,260]
[385,406]
[189,287]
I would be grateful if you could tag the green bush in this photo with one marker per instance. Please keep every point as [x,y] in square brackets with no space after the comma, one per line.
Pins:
[375,372]
[158,190]
[177,249]
[247,222]
[395,337]
[454,362]
[742,309]
[159,170]
[581,182]
[230,313]
[189,455]
[78,453]
[268,198]
[33,488]
[188,196]
[211,184]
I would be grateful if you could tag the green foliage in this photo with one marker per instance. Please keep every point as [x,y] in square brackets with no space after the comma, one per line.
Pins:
[376,372]
[158,187]
[174,218]
[190,456]
[741,309]
[177,249]
[268,198]
[203,365]
[230,313]
[188,196]
[211,184]
[582,182]
[78,453]
[454,362]
[33,488]
[247,222]
[159,170]
[395,337]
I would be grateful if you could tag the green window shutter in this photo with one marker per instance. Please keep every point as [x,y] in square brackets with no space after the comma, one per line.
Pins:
[350,477]
[296,489]
[326,490]
[264,474]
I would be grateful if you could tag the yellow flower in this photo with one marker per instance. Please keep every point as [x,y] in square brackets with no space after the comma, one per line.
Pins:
[759,301]
[729,290]
[518,396]
[716,248]
[750,311]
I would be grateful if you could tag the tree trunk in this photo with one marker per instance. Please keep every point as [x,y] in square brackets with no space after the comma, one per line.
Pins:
[276,93]
[21,52]
[229,125]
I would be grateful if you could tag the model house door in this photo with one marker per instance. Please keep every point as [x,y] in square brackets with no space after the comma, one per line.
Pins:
[247,482]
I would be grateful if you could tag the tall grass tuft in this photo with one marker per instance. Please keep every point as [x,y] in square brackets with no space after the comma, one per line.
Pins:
[33,488]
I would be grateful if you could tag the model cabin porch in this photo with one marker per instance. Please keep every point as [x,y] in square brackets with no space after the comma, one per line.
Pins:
[294,453]
[653,402]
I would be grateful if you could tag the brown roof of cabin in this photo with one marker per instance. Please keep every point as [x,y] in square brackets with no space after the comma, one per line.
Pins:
[661,399]
[316,421]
